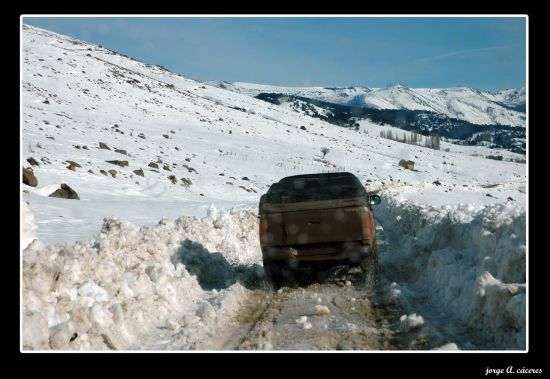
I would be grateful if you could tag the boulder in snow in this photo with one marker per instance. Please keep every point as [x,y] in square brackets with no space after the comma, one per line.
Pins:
[65,192]
[119,163]
[409,165]
[33,162]
[29,178]
[73,163]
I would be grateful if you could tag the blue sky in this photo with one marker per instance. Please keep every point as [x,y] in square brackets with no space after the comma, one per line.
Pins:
[488,53]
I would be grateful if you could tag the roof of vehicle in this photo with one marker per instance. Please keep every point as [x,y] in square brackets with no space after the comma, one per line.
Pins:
[314,187]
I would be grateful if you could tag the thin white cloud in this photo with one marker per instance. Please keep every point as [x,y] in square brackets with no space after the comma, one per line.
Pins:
[461,53]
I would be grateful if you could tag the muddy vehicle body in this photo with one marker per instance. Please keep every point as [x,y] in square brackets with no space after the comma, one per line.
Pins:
[319,220]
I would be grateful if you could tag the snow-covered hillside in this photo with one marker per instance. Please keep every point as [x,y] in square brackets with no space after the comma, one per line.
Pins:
[462,103]
[76,95]
[103,271]
[514,98]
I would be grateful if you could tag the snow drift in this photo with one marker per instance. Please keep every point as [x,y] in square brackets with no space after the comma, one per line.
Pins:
[464,261]
[108,294]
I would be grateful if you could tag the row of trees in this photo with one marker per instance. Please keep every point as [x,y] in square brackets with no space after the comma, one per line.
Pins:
[432,141]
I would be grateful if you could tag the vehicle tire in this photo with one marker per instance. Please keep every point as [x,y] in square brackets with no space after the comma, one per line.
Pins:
[369,269]
[273,273]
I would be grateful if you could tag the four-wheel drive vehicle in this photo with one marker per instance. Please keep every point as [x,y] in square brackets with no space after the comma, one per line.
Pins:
[318,219]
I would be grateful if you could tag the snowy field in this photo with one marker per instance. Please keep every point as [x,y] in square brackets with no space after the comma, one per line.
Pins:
[140,253]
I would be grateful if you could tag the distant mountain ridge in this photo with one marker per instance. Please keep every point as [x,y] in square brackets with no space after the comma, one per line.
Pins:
[463,103]
[420,121]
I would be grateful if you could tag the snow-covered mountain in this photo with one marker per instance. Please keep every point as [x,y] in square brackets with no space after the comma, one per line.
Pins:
[182,149]
[513,98]
[462,103]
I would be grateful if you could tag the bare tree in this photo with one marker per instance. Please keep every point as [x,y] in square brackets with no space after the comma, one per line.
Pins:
[324,151]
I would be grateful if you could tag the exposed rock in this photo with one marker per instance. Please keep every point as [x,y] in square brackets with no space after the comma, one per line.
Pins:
[65,192]
[221,174]
[157,171]
[437,182]
[29,178]
[104,146]
[188,159]
[190,169]
[32,161]
[303,127]
[229,183]
[73,163]
[409,165]
[153,165]
[121,151]
[166,167]
[139,172]
[113,173]
[166,136]
[71,167]
[118,163]
[173,179]
[244,188]
[245,178]
[90,171]
[103,172]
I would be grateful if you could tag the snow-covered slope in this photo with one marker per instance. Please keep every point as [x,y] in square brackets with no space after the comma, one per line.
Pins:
[514,98]
[462,103]
[231,146]
[130,273]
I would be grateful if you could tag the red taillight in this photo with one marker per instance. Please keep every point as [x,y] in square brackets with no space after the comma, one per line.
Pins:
[263,231]
[368,226]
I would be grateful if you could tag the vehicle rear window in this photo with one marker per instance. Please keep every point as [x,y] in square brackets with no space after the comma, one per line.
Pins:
[315,188]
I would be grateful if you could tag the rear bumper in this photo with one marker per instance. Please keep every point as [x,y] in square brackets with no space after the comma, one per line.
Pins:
[352,252]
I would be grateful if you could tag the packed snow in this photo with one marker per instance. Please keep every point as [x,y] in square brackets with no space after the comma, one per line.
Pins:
[467,262]
[177,275]
[140,262]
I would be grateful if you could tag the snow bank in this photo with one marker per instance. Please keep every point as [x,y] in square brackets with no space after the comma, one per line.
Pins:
[468,261]
[28,226]
[112,293]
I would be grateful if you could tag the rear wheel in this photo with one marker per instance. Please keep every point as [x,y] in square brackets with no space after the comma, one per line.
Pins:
[273,273]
